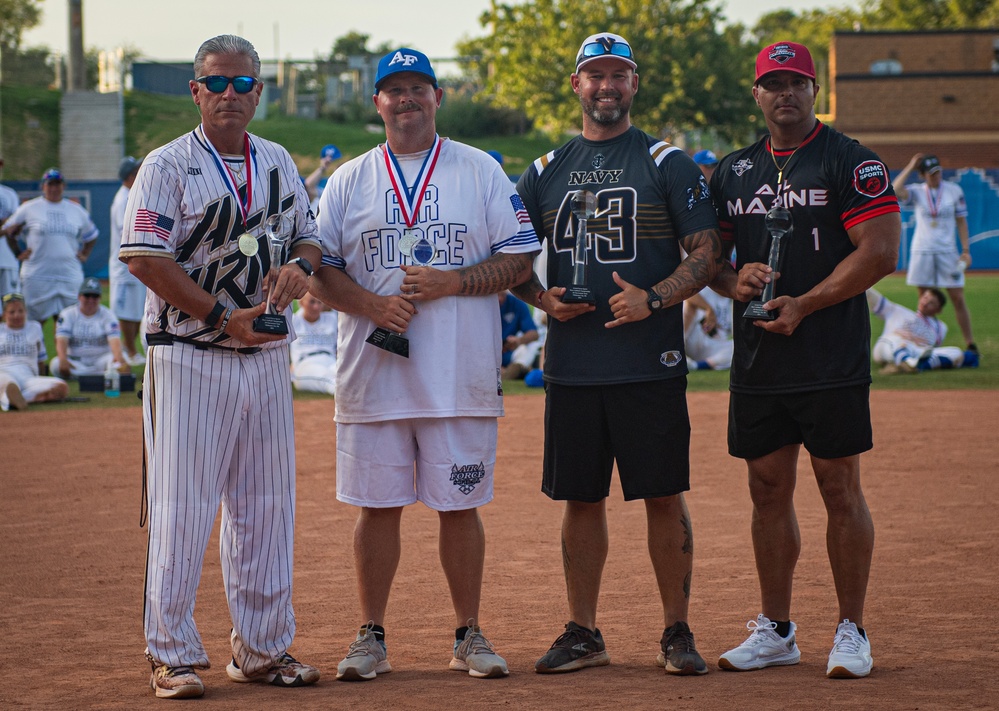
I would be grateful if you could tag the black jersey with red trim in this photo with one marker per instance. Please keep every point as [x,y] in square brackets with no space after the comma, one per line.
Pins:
[830,184]
[650,194]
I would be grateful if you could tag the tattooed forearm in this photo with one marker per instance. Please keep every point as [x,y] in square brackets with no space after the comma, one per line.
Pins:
[529,290]
[704,259]
[501,271]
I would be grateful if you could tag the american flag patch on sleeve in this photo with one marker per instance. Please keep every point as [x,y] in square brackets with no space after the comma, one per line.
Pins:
[521,211]
[149,221]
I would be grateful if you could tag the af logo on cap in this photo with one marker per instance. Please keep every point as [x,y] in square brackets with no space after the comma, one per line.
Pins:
[406,59]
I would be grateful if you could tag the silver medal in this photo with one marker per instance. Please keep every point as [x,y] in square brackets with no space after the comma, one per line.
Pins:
[248,244]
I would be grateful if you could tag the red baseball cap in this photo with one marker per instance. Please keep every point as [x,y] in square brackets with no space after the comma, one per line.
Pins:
[785,56]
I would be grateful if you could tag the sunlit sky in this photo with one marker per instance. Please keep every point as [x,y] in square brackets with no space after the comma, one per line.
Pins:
[173,30]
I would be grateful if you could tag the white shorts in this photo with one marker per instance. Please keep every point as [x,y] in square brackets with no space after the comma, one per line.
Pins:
[128,300]
[31,385]
[934,269]
[90,366]
[454,460]
[47,297]
[315,374]
[10,281]
[700,346]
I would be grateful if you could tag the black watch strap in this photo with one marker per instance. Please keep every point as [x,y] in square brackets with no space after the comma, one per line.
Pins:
[655,302]
[304,263]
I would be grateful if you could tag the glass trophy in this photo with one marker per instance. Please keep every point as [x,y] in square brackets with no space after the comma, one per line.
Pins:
[278,230]
[779,224]
[584,206]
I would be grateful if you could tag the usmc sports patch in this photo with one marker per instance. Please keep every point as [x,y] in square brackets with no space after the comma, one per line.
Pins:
[870,178]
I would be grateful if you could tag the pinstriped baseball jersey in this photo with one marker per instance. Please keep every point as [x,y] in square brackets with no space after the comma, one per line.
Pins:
[649,194]
[181,208]
[469,211]
[831,183]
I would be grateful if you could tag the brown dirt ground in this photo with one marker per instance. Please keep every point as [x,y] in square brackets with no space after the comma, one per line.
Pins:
[71,573]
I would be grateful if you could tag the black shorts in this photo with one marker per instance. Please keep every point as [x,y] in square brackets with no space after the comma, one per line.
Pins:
[643,426]
[830,423]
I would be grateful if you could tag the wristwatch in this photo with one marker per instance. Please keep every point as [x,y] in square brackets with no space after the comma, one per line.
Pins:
[654,301]
[304,264]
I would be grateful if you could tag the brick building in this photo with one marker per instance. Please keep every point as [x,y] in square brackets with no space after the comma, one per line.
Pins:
[900,93]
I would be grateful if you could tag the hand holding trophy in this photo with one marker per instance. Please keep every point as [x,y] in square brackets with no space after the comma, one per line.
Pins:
[584,206]
[278,230]
[779,224]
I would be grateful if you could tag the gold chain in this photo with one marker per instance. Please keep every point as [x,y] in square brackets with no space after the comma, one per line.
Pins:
[780,168]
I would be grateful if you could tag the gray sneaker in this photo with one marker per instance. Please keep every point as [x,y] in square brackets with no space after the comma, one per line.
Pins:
[366,658]
[476,655]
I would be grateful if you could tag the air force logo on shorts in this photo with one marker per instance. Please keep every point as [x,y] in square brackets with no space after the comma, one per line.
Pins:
[467,476]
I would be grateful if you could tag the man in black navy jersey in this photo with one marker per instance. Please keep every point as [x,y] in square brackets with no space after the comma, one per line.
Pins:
[804,377]
[615,385]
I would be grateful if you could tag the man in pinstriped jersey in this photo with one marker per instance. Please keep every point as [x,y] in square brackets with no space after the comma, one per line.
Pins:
[217,404]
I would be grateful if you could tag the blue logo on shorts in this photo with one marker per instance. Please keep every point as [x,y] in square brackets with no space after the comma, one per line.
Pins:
[467,476]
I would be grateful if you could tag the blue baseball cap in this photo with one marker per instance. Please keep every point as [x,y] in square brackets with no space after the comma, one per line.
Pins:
[329,151]
[52,174]
[705,157]
[497,155]
[404,59]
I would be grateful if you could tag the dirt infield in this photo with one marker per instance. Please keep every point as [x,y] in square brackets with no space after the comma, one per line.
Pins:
[71,569]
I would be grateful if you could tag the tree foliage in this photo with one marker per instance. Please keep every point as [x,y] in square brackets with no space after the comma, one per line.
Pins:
[16,16]
[685,57]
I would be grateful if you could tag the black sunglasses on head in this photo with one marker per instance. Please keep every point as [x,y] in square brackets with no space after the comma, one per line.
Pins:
[217,84]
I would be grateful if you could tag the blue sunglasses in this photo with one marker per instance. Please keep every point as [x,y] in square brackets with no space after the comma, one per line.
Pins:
[598,49]
[217,84]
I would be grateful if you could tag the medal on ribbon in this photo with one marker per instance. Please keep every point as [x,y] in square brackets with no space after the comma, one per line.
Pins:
[413,244]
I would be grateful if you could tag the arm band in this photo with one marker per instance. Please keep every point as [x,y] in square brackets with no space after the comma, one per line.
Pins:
[216,313]
[225,321]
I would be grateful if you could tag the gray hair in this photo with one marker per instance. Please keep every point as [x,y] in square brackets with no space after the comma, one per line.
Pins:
[226,44]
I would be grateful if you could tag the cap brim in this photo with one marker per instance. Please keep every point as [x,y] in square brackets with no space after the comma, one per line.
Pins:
[785,69]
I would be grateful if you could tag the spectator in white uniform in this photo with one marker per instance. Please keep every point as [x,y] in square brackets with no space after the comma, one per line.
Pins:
[128,294]
[313,352]
[59,235]
[707,331]
[22,360]
[86,337]
[10,282]
[911,341]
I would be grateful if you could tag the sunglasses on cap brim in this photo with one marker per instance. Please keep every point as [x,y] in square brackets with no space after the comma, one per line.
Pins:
[599,49]
[7,298]
[217,84]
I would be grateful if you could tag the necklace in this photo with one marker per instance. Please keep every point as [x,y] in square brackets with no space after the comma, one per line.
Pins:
[780,168]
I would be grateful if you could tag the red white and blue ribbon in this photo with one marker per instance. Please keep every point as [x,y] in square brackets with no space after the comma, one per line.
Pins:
[230,180]
[410,198]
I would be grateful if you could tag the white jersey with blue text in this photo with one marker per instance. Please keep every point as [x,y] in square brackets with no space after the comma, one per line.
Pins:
[87,335]
[54,232]
[936,215]
[469,212]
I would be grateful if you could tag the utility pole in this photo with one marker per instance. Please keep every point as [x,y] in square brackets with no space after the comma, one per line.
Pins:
[77,68]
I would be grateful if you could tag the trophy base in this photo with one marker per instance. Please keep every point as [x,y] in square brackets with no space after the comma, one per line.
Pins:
[388,341]
[756,312]
[578,295]
[275,324]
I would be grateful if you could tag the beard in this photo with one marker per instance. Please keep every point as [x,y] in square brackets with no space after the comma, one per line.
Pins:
[606,115]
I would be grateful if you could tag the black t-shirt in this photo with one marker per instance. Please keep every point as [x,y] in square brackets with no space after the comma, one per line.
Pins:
[831,183]
[649,195]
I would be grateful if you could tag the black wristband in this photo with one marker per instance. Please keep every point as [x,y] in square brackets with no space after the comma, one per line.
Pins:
[304,263]
[216,313]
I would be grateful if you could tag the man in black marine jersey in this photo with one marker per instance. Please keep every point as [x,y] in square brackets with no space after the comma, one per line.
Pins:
[804,377]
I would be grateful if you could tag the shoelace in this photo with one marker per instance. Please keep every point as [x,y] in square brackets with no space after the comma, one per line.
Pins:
[847,641]
[570,638]
[682,641]
[176,671]
[360,647]
[760,633]
[476,643]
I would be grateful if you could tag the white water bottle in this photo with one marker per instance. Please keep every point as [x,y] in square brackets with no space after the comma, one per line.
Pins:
[112,381]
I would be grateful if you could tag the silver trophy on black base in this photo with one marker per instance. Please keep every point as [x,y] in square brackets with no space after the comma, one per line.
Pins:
[278,229]
[584,206]
[779,224]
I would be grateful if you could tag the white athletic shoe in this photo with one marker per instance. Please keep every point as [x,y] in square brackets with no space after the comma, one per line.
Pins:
[286,671]
[476,655]
[137,359]
[763,648]
[366,658]
[850,657]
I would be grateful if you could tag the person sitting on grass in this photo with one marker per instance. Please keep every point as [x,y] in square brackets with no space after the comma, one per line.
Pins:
[22,360]
[910,342]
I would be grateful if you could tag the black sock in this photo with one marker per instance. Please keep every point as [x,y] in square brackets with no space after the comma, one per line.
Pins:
[377,630]
[459,633]
[862,633]
[783,627]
